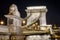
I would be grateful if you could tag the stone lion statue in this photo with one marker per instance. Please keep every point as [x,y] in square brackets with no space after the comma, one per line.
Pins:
[13,10]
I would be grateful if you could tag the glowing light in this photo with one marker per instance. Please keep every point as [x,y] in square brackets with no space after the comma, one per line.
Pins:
[2,22]
[33,25]
[36,23]
[24,22]
[43,28]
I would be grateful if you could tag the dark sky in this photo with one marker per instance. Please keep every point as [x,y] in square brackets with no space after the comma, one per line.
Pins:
[53,6]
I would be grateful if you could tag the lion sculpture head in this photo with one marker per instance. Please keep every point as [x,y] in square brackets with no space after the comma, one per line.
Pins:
[14,10]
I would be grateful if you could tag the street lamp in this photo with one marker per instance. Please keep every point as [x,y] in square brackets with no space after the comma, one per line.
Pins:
[24,22]
[2,22]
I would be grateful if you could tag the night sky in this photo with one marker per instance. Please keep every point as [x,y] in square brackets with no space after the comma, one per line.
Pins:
[53,6]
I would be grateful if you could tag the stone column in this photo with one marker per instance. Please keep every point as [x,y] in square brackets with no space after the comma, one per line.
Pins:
[42,18]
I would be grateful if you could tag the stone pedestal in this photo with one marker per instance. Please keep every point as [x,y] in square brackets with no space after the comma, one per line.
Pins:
[42,18]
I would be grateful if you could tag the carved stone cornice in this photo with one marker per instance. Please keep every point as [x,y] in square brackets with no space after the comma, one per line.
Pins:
[37,9]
